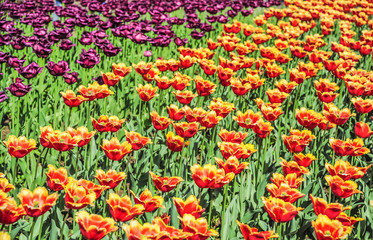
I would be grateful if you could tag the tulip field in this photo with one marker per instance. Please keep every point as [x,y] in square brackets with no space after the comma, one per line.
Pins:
[186,119]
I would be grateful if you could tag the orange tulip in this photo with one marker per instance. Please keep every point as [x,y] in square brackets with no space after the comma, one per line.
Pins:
[5,186]
[71,99]
[189,206]
[209,176]
[341,188]
[57,178]
[274,70]
[110,78]
[241,150]
[9,211]
[279,210]
[137,140]
[275,96]
[77,197]
[271,114]
[349,147]
[240,88]
[362,105]
[331,210]
[346,220]
[344,170]
[187,61]
[336,116]
[95,91]
[220,107]
[110,179]
[234,137]
[184,97]
[186,130]
[175,113]
[304,160]
[90,186]
[231,165]
[120,69]
[363,130]
[164,82]
[19,147]
[308,118]
[286,87]
[159,123]
[63,141]
[165,184]
[136,231]
[142,68]
[83,133]
[121,209]
[250,233]
[293,167]
[204,87]
[198,227]
[210,120]
[327,229]
[248,119]
[195,114]
[94,227]
[146,92]
[284,192]
[115,150]
[38,202]
[263,129]
[149,202]
[107,124]
[170,232]
[291,179]
[181,81]
[44,132]
[174,142]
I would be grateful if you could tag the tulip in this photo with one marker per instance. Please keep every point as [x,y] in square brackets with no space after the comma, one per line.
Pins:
[326,229]
[233,137]
[279,210]
[284,192]
[94,227]
[110,179]
[71,78]
[147,92]
[209,176]
[304,160]
[293,167]
[107,124]
[175,143]
[95,91]
[18,88]
[110,78]
[88,59]
[231,165]
[149,202]
[362,130]
[71,99]
[248,119]
[344,170]
[121,209]
[165,184]
[38,202]
[362,105]
[189,206]
[9,211]
[336,116]
[186,130]
[331,210]
[341,188]
[346,220]
[137,140]
[30,71]
[19,147]
[3,96]
[62,141]
[184,97]
[57,179]
[83,133]
[262,129]
[58,69]
[77,197]
[290,179]
[159,123]
[250,233]
[220,107]
[175,113]
[197,226]
[5,186]
[121,69]
[92,187]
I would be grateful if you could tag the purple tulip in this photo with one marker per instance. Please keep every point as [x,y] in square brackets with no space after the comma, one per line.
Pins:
[148,53]
[58,69]
[29,71]
[180,42]
[19,43]
[197,35]
[99,34]
[5,39]
[4,57]
[41,52]
[139,38]
[40,32]
[66,44]
[18,89]
[71,78]
[14,62]
[58,24]
[3,96]
[86,39]
[110,50]
[247,12]
[88,59]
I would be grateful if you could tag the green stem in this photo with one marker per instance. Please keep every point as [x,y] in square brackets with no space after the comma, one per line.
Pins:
[210,205]
[63,224]
[69,117]
[32,228]
[41,227]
